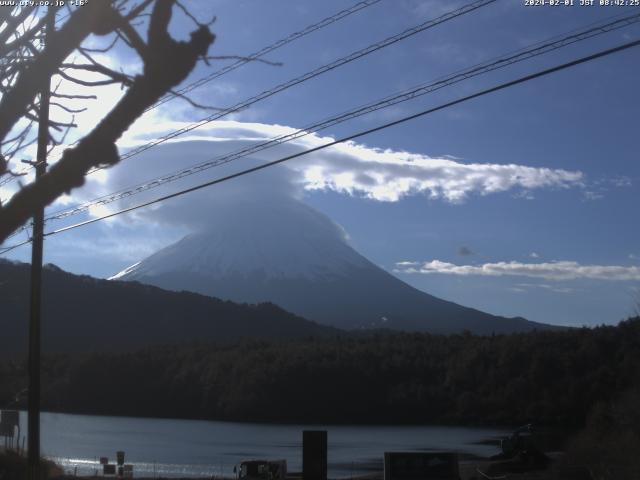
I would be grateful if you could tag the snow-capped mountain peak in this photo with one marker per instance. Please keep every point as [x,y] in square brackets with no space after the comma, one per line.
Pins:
[278,239]
[282,251]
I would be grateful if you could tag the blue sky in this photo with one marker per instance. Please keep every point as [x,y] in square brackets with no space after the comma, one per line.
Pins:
[559,244]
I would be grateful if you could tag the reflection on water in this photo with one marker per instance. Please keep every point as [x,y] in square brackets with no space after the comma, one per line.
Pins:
[192,448]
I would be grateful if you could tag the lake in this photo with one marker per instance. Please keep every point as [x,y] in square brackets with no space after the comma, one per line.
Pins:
[197,448]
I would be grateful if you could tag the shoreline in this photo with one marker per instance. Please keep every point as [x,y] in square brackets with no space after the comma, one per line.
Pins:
[310,423]
[469,470]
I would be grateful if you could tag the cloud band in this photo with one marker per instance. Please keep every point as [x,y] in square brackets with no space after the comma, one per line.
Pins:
[564,270]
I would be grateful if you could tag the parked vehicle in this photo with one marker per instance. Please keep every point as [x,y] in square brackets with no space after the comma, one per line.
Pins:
[261,470]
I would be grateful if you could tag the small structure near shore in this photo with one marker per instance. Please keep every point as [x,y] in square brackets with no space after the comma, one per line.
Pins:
[262,470]
[9,423]
[119,469]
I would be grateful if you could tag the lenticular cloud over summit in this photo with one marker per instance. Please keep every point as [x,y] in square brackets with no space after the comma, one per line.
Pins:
[350,168]
[389,175]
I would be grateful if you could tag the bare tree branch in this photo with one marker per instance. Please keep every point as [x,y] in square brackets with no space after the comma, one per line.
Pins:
[167,63]
[5,13]
[56,142]
[100,50]
[136,11]
[117,77]
[59,126]
[194,103]
[188,14]
[77,97]
[131,37]
[68,109]
[23,132]
[22,40]
[87,83]
[85,20]
[13,21]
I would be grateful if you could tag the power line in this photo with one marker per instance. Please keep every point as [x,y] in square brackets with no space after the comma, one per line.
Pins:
[4,250]
[309,75]
[268,49]
[536,49]
[502,86]
[361,5]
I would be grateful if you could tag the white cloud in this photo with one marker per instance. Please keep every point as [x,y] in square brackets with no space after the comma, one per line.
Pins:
[546,286]
[356,169]
[563,270]
[591,195]
[597,189]
[350,168]
[389,175]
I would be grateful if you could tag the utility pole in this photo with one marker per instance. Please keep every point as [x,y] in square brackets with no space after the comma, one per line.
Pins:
[33,455]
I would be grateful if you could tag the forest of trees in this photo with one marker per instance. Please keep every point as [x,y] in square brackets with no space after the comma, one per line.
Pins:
[550,378]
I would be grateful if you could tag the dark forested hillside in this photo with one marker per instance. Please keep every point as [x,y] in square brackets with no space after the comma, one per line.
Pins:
[551,378]
[84,314]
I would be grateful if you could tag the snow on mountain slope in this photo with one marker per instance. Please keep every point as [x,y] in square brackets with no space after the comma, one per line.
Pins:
[280,250]
[279,239]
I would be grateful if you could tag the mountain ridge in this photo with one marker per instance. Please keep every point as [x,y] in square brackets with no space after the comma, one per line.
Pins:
[281,250]
[81,314]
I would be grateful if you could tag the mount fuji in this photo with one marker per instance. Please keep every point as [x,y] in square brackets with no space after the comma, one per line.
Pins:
[282,251]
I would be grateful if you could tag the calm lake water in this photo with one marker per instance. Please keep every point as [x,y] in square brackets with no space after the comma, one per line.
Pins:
[194,448]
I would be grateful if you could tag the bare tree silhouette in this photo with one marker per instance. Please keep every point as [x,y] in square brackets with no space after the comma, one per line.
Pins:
[25,60]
